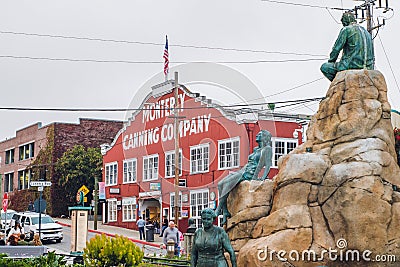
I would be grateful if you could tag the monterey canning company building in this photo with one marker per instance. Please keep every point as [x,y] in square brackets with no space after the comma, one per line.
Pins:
[214,141]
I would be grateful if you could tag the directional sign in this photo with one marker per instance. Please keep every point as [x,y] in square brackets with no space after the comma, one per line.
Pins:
[40,183]
[84,189]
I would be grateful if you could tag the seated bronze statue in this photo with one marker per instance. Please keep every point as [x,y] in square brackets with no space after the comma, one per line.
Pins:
[260,158]
[209,244]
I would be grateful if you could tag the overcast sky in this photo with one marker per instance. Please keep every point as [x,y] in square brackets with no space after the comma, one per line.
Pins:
[245,25]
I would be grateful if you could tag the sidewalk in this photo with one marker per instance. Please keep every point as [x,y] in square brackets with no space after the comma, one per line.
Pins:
[108,230]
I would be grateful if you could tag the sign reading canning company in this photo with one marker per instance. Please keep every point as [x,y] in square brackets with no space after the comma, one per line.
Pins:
[163,109]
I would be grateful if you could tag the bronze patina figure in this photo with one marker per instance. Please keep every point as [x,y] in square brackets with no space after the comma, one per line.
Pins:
[260,158]
[357,46]
[209,244]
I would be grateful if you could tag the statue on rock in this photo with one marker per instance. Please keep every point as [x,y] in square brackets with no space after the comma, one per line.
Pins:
[260,158]
[357,46]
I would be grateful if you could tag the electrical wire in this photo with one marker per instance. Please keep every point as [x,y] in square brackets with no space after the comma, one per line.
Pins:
[159,44]
[390,65]
[160,62]
[303,5]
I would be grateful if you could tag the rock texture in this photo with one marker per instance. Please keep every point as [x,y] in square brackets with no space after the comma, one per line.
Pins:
[339,196]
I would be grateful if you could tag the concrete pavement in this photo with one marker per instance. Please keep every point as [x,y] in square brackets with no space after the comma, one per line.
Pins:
[108,230]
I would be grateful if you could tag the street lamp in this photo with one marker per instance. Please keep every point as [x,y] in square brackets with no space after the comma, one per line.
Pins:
[170,248]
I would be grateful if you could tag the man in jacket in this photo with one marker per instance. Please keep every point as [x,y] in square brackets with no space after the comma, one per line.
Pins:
[171,233]
[140,224]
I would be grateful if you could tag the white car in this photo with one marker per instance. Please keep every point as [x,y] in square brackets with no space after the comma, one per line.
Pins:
[49,229]
[6,221]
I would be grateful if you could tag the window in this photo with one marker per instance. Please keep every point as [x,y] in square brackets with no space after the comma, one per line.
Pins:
[172,205]
[129,209]
[150,167]
[8,182]
[10,156]
[26,151]
[112,210]
[129,175]
[170,163]
[24,178]
[198,202]
[228,153]
[282,147]
[199,157]
[112,173]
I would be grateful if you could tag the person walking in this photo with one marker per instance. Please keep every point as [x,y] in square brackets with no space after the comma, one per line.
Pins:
[140,224]
[164,225]
[171,233]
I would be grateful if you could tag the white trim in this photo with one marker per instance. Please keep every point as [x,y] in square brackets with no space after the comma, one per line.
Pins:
[158,167]
[224,141]
[202,146]
[172,152]
[123,170]
[105,173]
[172,214]
[285,140]
[109,211]
[27,143]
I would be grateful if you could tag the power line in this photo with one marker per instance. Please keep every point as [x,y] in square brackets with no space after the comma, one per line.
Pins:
[303,5]
[159,62]
[141,109]
[159,44]
[390,65]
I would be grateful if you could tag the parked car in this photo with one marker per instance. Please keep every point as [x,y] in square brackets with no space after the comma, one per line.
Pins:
[49,229]
[5,221]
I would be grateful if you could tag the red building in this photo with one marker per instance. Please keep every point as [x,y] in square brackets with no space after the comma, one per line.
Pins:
[213,141]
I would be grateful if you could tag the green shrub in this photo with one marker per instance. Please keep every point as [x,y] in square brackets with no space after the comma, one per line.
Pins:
[49,260]
[103,251]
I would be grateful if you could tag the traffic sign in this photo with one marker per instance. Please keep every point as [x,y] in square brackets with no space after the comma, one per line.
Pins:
[5,204]
[40,183]
[84,189]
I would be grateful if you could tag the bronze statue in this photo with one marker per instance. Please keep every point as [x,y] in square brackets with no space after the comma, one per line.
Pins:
[358,49]
[261,157]
[209,243]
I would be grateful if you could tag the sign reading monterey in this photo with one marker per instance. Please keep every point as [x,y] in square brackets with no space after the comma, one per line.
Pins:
[162,109]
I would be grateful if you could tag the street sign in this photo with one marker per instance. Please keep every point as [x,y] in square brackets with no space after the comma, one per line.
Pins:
[40,183]
[40,188]
[5,202]
[84,189]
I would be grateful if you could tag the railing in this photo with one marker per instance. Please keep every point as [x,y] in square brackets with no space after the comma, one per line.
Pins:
[166,261]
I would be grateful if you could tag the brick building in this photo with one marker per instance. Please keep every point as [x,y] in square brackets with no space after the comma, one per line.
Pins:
[45,144]
[138,166]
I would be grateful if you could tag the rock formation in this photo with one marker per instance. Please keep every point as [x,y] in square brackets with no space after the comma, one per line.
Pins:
[338,196]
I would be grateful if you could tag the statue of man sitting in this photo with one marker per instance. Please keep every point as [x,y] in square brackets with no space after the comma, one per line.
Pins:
[260,158]
[357,46]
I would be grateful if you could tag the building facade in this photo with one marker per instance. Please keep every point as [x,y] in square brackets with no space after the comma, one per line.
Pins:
[33,152]
[214,141]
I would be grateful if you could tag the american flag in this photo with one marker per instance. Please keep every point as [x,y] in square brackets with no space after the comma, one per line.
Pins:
[165,56]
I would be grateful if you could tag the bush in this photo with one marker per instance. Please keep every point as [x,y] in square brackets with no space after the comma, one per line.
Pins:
[105,251]
[49,260]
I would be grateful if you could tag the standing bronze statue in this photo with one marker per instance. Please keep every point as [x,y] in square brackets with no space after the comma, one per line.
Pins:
[260,158]
[357,46]
[209,244]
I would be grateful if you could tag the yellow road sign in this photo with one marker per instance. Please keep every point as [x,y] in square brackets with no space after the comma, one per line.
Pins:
[84,189]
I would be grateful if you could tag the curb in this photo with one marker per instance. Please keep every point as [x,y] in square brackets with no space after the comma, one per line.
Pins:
[113,235]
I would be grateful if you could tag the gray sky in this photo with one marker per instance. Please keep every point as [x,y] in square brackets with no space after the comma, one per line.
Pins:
[251,25]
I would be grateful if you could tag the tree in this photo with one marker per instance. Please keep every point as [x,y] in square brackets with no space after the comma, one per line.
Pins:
[78,166]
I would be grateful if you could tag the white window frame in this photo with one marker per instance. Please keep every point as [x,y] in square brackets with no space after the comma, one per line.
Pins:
[128,209]
[172,205]
[10,158]
[150,173]
[10,185]
[196,205]
[112,209]
[231,158]
[129,172]
[30,146]
[27,174]
[111,166]
[205,161]
[171,166]
[286,149]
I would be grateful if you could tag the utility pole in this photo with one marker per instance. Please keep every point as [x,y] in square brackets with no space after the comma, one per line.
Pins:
[176,123]
[365,12]
[96,200]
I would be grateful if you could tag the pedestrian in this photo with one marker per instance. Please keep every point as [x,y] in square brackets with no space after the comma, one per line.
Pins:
[164,225]
[172,232]
[140,224]
[17,230]
[36,240]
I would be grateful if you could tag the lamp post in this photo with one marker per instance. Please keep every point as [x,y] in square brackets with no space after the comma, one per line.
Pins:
[170,248]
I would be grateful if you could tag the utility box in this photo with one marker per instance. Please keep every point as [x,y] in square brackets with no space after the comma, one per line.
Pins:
[79,227]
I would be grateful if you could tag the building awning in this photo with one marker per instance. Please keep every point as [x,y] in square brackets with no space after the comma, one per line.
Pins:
[149,198]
